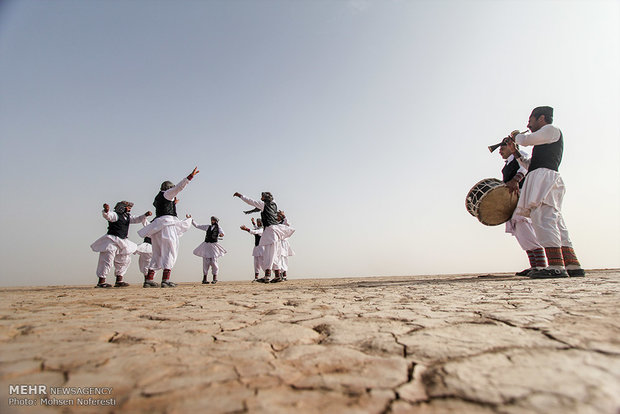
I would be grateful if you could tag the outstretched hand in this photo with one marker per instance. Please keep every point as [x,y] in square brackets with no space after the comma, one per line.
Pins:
[193,173]
[148,213]
[237,195]
[106,207]
[188,216]
[244,228]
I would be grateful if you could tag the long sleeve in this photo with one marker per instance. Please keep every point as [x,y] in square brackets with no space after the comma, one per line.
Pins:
[286,222]
[200,226]
[138,219]
[545,135]
[111,216]
[258,231]
[171,193]
[221,232]
[258,204]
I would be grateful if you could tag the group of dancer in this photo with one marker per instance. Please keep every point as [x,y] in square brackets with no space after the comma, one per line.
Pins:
[160,247]
[537,221]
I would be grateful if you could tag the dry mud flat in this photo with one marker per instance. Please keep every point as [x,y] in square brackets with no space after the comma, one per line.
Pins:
[423,344]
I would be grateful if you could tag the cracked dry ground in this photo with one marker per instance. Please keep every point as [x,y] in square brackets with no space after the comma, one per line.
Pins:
[434,344]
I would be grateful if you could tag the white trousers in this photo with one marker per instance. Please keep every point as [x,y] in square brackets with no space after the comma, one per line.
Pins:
[549,226]
[111,257]
[271,256]
[258,264]
[212,263]
[144,261]
[165,248]
[284,263]
[525,235]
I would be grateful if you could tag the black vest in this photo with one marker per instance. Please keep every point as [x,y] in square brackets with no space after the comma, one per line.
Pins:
[269,215]
[256,239]
[164,207]
[547,155]
[120,227]
[510,170]
[212,233]
[147,240]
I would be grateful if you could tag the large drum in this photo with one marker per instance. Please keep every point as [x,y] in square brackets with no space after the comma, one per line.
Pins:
[491,202]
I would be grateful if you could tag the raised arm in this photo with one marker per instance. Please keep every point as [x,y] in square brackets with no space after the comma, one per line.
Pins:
[258,204]
[111,216]
[140,219]
[171,193]
[545,135]
[199,226]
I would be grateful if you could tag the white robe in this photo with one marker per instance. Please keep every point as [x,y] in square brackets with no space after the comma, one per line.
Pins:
[271,238]
[165,232]
[209,250]
[113,250]
[542,193]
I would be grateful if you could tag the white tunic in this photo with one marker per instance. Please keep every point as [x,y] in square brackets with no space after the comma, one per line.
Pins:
[165,232]
[209,250]
[273,233]
[286,246]
[159,223]
[542,186]
[258,250]
[108,242]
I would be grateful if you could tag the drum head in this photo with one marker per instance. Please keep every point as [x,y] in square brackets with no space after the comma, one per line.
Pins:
[496,207]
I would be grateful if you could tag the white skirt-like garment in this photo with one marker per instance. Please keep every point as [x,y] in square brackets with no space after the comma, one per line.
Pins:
[275,233]
[144,248]
[181,226]
[108,242]
[542,186]
[511,225]
[209,250]
[257,251]
[286,248]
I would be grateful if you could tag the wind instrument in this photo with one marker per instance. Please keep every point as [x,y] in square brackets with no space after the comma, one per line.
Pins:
[503,141]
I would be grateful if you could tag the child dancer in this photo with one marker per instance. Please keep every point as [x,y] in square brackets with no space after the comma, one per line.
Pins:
[210,249]
[145,253]
[114,247]
[257,252]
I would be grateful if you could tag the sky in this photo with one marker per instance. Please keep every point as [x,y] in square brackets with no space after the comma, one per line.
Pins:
[369,121]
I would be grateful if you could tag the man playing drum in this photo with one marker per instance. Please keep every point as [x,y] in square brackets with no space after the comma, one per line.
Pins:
[543,192]
[519,226]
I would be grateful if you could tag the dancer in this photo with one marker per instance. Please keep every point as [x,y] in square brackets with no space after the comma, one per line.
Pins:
[273,233]
[286,250]
[165,231]
[543,192]
[257,252]
[114,247]
[519,226]
[144,252]
[210,249]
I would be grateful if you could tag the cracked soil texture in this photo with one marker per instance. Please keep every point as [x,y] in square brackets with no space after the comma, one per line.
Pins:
[419,344]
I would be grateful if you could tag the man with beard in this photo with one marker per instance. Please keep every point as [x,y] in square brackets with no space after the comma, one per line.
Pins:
[165,231]
[114,247]
[273,233]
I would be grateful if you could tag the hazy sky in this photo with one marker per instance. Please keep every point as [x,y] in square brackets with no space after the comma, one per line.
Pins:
[368,120]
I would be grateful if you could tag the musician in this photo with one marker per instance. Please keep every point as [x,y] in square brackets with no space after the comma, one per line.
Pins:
[543,192]
[519,226]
